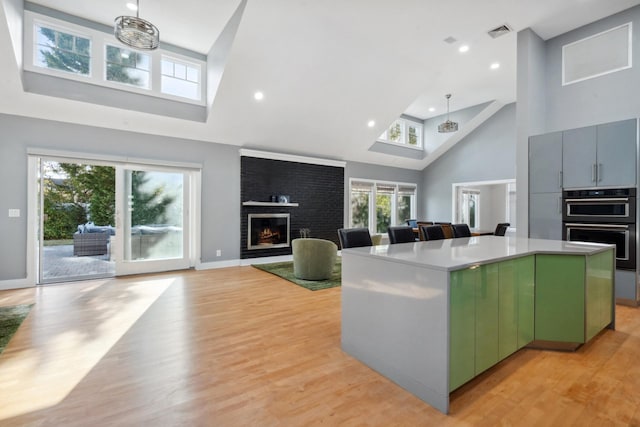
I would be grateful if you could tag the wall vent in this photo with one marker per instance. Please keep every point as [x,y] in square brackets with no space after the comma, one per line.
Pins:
[499,31]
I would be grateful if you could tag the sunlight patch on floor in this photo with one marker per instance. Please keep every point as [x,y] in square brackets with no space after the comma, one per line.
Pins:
[60,360]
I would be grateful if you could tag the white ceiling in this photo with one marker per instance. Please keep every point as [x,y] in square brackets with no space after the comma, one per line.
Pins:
[326,67]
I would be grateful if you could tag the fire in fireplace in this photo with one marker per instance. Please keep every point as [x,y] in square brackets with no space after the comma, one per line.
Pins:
[268,231]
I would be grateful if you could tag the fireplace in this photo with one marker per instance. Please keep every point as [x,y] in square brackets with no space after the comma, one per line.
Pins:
[268,231]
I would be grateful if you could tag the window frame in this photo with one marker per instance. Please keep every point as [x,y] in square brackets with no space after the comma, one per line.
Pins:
[108,44]
[98,74]
[175,59]
[30,43]
[404,124]
[459,211]
[373,221]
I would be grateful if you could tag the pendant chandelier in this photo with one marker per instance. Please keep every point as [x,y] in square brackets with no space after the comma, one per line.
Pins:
[448,125]
[136,32]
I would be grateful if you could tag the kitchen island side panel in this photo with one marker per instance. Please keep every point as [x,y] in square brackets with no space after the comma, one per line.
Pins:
[395,320]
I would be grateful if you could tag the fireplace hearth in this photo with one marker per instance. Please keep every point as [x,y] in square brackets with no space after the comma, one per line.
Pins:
[268,231]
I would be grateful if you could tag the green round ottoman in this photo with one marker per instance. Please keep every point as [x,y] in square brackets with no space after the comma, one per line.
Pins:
[313,259]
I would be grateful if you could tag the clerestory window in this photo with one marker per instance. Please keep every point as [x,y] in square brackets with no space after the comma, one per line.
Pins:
[84,53]
[405,132]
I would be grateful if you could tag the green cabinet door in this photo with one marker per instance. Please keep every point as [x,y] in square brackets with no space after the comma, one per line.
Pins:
[599,292]
[525,269]
[487,314]
[516,308]
[560,298]
[508,309]
[462,318]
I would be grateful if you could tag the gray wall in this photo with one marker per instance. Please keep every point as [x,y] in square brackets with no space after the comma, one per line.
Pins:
[486,154]
[607,98]
[380,173]
[220,179]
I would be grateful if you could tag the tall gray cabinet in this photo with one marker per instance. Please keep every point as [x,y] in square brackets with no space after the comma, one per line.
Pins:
[545,186]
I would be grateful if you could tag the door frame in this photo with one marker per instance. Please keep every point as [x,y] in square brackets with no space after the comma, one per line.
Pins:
[194,171]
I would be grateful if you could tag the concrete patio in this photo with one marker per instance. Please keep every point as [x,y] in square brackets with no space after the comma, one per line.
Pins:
[59,265]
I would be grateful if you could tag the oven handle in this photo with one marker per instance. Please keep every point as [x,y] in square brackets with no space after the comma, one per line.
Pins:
[621,226]
[610,199]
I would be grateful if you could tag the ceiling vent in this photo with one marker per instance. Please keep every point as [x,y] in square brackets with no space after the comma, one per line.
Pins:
[499,31]
[450,40]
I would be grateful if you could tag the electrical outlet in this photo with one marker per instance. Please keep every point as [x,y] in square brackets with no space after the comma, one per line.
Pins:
[219,252]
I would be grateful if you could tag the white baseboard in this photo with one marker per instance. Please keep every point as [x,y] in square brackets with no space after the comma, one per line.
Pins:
[242,262]
[6,285]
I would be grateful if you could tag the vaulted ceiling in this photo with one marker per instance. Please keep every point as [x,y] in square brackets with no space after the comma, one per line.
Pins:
[326,67]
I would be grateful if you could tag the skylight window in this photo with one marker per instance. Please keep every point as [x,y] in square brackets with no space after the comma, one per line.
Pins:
[403,132]
[180,78]
[89,54]
[128,67]
[62,51]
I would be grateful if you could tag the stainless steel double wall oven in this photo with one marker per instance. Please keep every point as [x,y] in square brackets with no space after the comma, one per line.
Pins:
[603,216]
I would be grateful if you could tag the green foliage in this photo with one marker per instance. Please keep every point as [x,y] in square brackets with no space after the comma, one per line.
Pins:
[65,52]
[404,208]
[149,207]
[360,209]
[413,136]
[118,67]
[383,212]
[395,132]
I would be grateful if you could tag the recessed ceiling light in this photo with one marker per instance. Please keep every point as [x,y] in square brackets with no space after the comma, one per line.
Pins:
[495,65]
[371,123]
[432,109]
[132,6]
[259,96]
[464,48]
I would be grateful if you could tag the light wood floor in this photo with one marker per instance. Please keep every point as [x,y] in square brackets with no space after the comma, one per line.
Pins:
[240,347]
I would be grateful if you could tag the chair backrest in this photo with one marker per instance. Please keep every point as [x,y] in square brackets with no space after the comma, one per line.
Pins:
[401,234]
[447,229]
[354,237]
[501,229]
[413,223]
[461,230]
[432,232]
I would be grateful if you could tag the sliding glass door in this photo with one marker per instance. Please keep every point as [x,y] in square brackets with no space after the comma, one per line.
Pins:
[153,219]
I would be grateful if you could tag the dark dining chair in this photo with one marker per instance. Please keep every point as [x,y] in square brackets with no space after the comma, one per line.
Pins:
[461,230]
[401,234]
[432,232]
[501,229]
[354,237]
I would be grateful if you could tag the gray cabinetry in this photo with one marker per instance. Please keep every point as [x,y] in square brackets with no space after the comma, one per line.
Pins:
[600,156]
[579,157]
[545,163]
[545,186]
[545,216]
[616,154]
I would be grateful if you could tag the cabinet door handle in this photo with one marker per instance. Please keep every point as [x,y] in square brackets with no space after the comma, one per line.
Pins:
[560,204]
[593,172]
[560,179]
[599,172]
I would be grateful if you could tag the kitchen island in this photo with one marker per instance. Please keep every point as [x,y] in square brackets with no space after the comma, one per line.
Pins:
[430,316]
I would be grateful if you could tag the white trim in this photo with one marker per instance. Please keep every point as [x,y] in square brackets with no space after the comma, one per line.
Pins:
[6,285]
[629,54]
[112,160]
[291,158]
[242,262]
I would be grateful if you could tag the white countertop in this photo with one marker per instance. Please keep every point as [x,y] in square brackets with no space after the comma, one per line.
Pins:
[464,252]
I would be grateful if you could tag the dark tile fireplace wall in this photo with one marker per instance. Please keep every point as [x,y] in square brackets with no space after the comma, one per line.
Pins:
[318,190]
